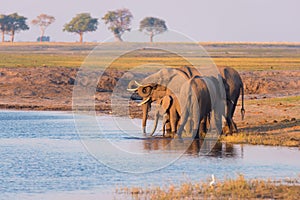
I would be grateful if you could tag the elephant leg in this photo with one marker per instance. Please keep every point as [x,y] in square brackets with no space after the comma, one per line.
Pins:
[165,121]
[227,129]
[168,127]
[183,120]
[203,126]
[173,121]
[232,110]
[195,133]
[197,119]
[208,122]
[217,121]
[228,126]
[234,127]
[196,128]
[233,124]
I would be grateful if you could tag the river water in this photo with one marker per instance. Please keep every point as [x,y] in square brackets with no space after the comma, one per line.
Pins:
[42,156]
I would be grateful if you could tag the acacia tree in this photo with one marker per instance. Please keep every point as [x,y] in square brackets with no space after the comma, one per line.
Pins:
[118,22]
[43,21]
[14,24]
[3,25]
[153,26]
[80,24]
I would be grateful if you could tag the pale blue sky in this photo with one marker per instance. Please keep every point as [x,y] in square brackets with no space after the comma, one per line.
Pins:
[202,20]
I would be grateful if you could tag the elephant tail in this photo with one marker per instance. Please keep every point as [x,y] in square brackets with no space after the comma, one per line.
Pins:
[242,109]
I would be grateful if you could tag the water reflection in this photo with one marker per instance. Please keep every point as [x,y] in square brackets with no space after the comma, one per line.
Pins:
[194,148]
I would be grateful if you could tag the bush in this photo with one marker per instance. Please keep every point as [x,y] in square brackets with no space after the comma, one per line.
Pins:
[44,39]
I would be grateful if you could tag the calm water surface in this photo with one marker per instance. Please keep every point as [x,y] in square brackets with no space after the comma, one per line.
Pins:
[43,157]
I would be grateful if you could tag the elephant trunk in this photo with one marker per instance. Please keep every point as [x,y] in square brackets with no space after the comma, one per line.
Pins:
[145,109]
[155,122]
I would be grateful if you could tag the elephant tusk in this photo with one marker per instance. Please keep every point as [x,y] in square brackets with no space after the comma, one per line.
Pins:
[138,84]
[132,89]
[143,102]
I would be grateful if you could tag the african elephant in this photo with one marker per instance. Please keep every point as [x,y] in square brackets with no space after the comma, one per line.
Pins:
[196,104]
[167,81]
[233,85]
[218,101]
[169,78]
[169,108]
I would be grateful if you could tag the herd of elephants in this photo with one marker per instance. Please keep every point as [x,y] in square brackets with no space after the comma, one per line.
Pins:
[190,102]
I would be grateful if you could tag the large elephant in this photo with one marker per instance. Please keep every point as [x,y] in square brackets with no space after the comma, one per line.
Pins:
[169,108]
[174,79]
[233,85]
[218,102]
[196,104]
[167,81]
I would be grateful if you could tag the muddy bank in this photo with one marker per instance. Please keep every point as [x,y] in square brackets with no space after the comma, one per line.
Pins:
[273,83]
[50,88]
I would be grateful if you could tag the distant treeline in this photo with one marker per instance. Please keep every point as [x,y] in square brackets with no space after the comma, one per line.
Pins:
[117,21]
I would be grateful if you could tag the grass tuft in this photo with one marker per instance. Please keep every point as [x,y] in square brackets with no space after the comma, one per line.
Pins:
[262,139]
[239,188]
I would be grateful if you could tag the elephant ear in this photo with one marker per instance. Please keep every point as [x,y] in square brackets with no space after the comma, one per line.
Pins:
[145,90]
[166,102]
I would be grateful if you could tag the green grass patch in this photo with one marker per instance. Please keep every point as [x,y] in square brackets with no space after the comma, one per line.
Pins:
[242,56]
[38,60]
[275,101]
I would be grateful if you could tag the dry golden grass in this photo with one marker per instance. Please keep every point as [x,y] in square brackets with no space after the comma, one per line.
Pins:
[47,43]
[242,56]
[270,121]
[262,139]
[258,63]
[238,188]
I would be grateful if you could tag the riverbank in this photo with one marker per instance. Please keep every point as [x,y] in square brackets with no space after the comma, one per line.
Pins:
[272,99]
[239,188]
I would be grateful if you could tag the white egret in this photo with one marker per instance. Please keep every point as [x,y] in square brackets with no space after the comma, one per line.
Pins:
[213,182]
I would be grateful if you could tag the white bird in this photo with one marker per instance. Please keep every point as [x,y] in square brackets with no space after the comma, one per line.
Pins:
[213,182]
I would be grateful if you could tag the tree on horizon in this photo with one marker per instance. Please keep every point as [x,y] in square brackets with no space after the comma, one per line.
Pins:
[118,22]
[3,26]
[80,24]
[14,24]
[152,26]
[43,21]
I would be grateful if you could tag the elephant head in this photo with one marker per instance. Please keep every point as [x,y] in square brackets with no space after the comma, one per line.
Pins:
[164,82]
[150,93]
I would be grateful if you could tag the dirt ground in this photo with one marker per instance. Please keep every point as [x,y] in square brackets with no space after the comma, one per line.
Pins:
[50,88]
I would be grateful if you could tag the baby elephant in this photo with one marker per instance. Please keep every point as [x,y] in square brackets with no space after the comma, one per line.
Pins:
[169,108]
